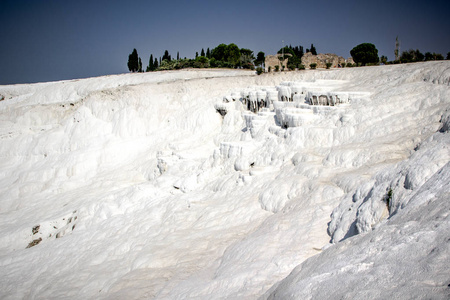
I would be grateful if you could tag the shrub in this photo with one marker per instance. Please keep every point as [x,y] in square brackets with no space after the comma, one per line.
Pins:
[349,65]
[259,70]
[329,65]
[313,66]
[269,69]
[301,67]
[277,68]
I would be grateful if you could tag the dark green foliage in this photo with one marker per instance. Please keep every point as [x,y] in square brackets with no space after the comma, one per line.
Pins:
[277,68]
[286,50]
[201,62]
[226,56]
[196,55]
[218,53]
[246,59]
[365,53]
[294,62]
[433,56]
[178,55]
[259,70]
[301,67]
[411,56]
[140,65]
[202,53]
[294,56]
[260,58]
[133,61]
[166,56]
[151,66]
[448,56]
[155,64]
[383,59]
[313,50]
[313,66]
[328,64]
[208,53]
[233,54]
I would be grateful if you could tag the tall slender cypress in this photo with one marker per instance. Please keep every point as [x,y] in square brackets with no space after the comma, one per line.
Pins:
[150,63]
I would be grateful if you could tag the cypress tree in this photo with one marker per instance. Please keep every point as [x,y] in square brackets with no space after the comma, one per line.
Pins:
[313,50]
[166,56]
[202,53]
[140,65]
[155,64]
[196,55]
[133,61]
[178,55]
[150,63]
[208,53]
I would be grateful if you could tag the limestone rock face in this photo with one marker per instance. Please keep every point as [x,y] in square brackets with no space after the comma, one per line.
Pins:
[322,59]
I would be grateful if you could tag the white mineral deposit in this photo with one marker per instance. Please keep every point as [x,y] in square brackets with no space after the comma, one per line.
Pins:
[221,184]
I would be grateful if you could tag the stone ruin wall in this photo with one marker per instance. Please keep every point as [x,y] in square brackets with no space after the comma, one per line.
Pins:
[272,61]
[322,59]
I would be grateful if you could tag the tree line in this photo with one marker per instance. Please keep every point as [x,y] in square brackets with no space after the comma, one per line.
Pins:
[231,56]
[222,56]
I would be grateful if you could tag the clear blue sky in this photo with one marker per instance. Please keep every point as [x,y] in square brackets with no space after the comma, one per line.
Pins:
[44,40]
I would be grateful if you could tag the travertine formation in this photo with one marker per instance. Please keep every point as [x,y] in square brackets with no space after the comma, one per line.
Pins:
[290,104]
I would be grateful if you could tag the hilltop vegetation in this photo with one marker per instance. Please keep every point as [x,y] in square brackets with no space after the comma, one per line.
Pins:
[231,56]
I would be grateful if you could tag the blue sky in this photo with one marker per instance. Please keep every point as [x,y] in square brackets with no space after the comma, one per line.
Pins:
[45,40]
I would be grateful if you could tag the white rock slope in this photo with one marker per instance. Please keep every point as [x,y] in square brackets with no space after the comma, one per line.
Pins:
[134,186]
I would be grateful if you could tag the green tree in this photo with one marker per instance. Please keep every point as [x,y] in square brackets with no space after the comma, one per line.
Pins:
[448,56]
[218,53]
[202,53]
[383,59]
[313,50]
[286,50]
[232,54]
[150,64]
[260,58]
[133,61]
[140,65]
[418,56]
[428,56]
[365,53]
[166,56]
[208,53]
[155,64]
